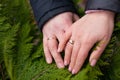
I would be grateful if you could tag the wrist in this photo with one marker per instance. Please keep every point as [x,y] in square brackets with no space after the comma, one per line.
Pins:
[103,14]
[109,14]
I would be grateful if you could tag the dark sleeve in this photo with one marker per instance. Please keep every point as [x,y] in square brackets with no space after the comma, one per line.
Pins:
[111,5]
[44,10]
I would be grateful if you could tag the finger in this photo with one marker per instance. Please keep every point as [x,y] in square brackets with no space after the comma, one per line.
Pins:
[60,36]
[75,51]
[67,34]
[97,52]
[63,42]
[48,56]
[53,49]
[82,55]
[68,51]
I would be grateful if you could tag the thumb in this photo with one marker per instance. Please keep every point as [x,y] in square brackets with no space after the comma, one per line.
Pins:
[95,55]
[63,42]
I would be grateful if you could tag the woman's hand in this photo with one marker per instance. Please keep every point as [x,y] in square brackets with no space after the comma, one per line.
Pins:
[53,32]
[83,35]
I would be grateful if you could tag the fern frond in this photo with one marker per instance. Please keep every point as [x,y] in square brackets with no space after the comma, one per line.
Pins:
[7,44]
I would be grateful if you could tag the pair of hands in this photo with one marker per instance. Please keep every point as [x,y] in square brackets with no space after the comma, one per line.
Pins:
[85,32]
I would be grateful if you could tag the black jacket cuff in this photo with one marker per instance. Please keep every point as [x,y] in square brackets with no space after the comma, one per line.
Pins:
[44,10]
[111,5]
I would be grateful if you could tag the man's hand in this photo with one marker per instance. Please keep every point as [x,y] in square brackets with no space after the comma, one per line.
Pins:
[53,33]
[83,35]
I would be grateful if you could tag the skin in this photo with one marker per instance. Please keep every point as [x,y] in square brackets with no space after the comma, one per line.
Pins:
[55,29]
[92,28]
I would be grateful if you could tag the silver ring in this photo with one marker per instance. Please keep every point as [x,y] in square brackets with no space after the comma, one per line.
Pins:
[51,38]
[71,41]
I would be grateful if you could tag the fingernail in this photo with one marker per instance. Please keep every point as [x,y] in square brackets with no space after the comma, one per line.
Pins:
[49,61]
[59,50]
[73,72]
[93,62]
[60,65]
[70,69]
[65,63]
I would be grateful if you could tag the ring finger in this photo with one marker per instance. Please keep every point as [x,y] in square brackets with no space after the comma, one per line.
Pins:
[74,53]
[47,53]
[53,44]
[68,51]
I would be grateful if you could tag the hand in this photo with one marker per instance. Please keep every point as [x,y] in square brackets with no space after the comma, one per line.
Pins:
[53,31]
[84,34]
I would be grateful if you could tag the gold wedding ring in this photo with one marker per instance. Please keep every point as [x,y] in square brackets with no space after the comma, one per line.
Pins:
[71,41]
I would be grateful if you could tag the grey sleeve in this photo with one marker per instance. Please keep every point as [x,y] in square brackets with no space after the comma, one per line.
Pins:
[111,5]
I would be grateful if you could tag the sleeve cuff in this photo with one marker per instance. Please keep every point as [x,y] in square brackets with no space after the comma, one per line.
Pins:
[92,11]
[111,5]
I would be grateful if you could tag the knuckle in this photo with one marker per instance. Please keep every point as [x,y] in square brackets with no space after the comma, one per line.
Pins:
[58,61]
[45,44]
[86,42]
[55,55]
[83,55]
[73,57]
[46,51]
[89,39]
[78,64]
[67,46]
[52,48]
